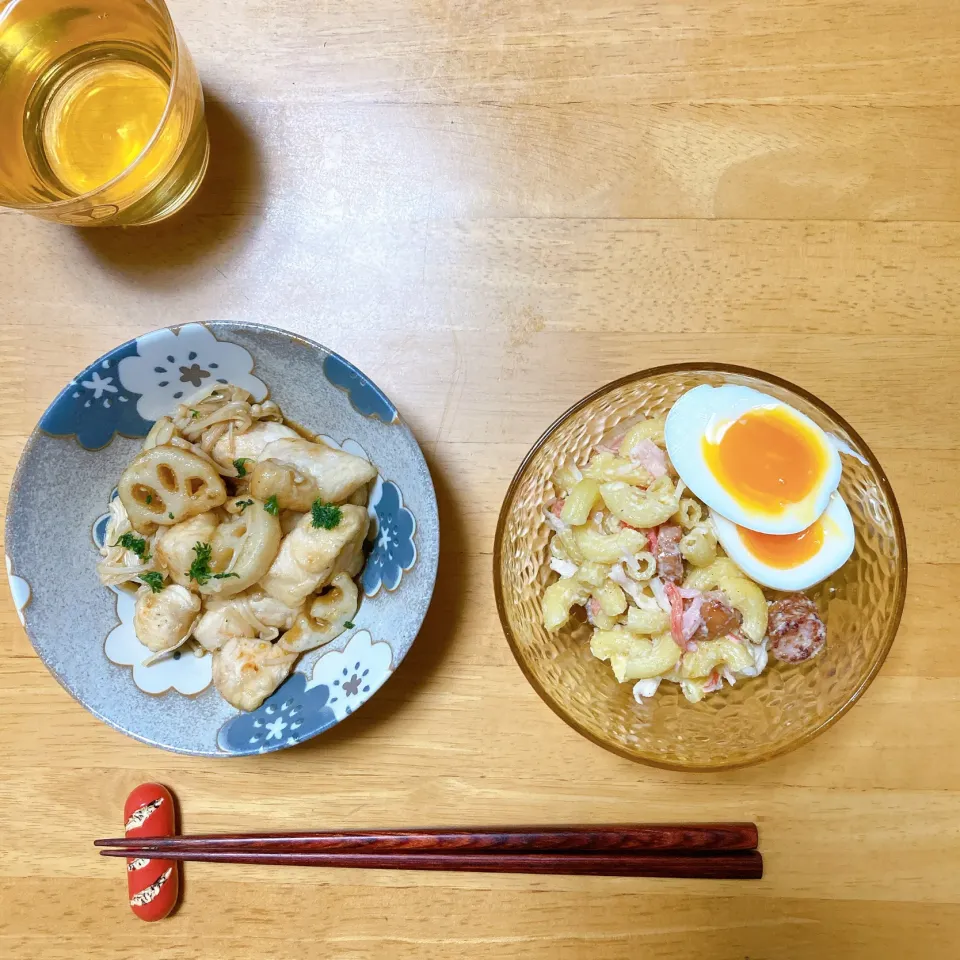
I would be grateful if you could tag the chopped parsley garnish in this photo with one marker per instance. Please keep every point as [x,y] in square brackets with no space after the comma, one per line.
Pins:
[200,568]
[153,580]
[326,515]
[149,499]
[171,516]
[271,505]
[349,624]
[243,504]
[239,464]
[194,414]
[134,544]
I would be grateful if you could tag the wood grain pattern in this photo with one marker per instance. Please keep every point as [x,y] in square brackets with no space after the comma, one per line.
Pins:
[586,838]
[740,865]
[493,208]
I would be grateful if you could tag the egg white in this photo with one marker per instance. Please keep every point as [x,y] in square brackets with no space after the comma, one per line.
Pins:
[703,412]
[834,552]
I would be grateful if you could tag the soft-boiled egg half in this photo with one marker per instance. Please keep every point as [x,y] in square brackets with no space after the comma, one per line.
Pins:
[751,458]
[792,561]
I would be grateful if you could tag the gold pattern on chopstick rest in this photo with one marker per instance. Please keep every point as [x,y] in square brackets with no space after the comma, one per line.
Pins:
[140,816]
[147,894]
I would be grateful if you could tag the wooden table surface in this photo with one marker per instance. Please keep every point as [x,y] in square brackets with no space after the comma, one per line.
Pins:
[495,207]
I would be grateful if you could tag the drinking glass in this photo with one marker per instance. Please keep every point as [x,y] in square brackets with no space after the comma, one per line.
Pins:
[101,112]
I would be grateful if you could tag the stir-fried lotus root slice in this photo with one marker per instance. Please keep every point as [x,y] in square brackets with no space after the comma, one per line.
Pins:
[246,672]
[167,485]
[328,617]
[294,490]
[164,620]
[242,550]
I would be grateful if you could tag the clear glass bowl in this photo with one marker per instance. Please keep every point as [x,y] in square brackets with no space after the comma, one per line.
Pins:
[757,719]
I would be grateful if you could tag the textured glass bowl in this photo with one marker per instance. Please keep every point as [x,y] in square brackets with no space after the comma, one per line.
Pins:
[757,719]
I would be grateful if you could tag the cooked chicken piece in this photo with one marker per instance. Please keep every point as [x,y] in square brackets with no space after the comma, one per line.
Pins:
[246,672]
[164,620]
[294,490]
[250,615]
[250,445]
[311,556]
[174,546]
[337,474]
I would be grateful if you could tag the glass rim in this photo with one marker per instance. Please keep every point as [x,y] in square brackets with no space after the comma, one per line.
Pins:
[175,71]
[706,367]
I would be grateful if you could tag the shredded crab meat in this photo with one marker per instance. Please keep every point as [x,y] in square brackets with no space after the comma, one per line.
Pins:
[593,610]
[554,521]
[679,621]
[691,618]
[631,588]
[656,585]
[566,568]
[645,688]
[715,682]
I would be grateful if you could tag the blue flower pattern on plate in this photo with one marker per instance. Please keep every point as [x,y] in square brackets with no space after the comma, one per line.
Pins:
[95,406]
[100,524]
[394,550]
[289,715]
[366,397]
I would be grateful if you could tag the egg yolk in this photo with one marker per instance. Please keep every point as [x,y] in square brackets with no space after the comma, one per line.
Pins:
[784,551]
[766,458]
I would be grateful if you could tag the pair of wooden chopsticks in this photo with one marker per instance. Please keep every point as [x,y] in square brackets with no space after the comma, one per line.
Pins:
[719,851]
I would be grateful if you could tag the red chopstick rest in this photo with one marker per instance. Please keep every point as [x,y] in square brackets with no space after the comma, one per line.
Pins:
[153,885]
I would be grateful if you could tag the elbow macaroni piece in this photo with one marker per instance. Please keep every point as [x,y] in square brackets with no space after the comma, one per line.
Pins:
[644,566]
[746,597]
[699,546]
[633,657]
[645,430]
[639,508]
[567,477]
[709,577]
[651,622]
[593,573]
[559,598]
[580,502]
[611,598]
[608,468]
[710,654]
[607,548]
[689,513]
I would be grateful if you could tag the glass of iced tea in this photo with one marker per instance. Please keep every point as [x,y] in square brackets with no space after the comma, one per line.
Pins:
[101,112]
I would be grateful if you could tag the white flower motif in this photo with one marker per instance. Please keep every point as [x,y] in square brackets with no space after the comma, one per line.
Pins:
[276,728]
[19,590]
[98,385]
[171,366]
[187,674]
[354,674]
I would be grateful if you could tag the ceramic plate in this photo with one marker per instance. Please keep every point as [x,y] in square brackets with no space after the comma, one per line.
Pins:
[57,516]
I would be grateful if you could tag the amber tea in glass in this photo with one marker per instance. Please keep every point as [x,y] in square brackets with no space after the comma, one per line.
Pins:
[101,112]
